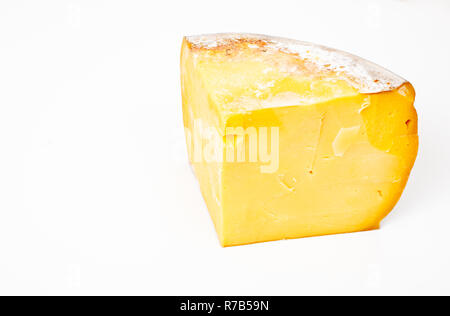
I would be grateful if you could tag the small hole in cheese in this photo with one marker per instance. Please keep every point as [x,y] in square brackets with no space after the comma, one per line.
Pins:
[407,123]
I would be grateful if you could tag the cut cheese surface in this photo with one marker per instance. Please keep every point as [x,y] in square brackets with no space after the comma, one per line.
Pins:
[290,139]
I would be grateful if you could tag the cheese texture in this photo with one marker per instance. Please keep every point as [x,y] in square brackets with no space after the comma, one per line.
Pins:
[290,139]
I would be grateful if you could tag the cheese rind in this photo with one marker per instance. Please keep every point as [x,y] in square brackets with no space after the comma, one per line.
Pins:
[331,157]
[364,75]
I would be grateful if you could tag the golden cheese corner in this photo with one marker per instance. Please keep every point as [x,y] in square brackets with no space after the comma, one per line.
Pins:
[290,139]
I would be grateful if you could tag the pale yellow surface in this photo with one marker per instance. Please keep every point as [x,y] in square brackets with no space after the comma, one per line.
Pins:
[344,157]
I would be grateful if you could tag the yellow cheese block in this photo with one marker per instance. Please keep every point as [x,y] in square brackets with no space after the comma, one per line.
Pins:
[290,139]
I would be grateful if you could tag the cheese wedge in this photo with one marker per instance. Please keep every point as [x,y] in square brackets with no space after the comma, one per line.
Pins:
[290,139]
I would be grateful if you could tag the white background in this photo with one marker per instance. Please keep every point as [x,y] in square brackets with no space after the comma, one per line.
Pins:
[96,195]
